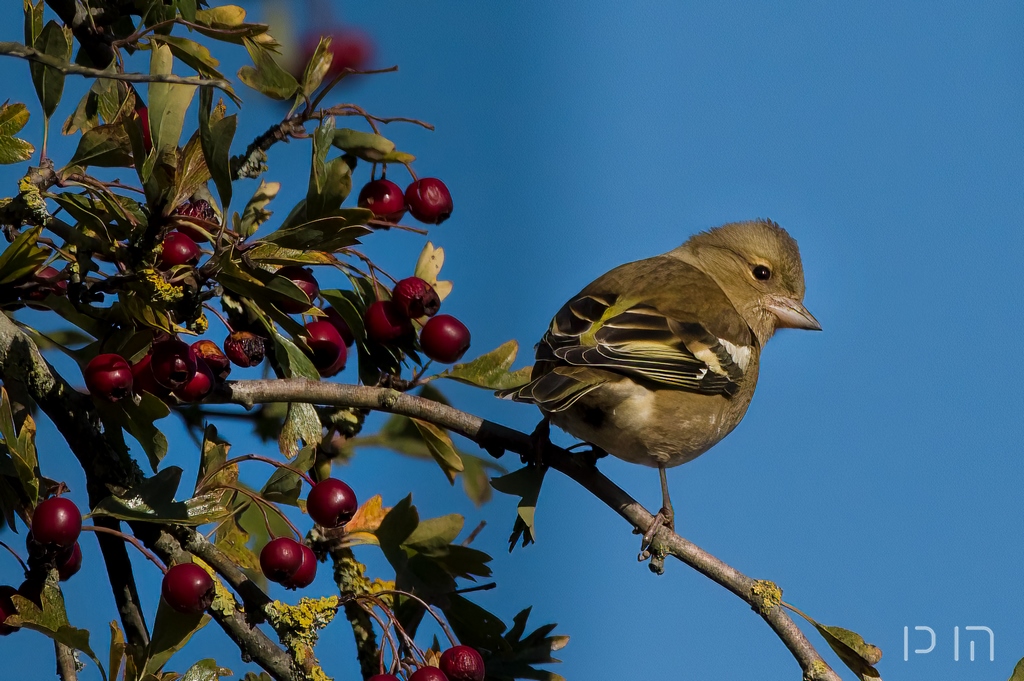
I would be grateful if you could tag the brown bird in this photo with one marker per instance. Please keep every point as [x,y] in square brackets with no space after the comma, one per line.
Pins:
[656,361]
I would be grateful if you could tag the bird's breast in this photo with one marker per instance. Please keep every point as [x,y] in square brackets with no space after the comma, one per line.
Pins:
[652,427]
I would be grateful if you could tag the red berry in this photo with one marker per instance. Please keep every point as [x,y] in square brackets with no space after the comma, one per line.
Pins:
[303,278]
[428,674]
[384,198]
[244,348]
[416,298]
[199,209]
[56,522]
[444,339]
[385,322]
[215,359]
[69,562]
[108,377]
[326,346]
[187,588]
[173,363]
[143,380]
[306,573]
[199,386]
[7,609]
[462,663]
[280,559]
[429,200]
[331,503]
[334,317]
[178,249]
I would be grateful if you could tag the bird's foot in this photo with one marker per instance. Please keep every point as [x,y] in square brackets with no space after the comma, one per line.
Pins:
[664,518]
[540,438]
[591,455]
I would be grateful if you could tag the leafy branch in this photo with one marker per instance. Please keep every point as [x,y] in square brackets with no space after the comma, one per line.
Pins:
[764,597]
[13,49]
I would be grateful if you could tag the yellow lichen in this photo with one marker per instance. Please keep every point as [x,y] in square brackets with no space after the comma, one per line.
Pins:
[298,627]
[819,670]
[766,595]
[152,287]
[199,325]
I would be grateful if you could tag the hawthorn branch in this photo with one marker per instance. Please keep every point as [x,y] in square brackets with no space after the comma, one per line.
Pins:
[111,469]
[253,643]
[12,49]
[764,597]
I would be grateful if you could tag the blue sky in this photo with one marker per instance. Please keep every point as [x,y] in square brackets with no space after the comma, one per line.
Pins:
[876,476]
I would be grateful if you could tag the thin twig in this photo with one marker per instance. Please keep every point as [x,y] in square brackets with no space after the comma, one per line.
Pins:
[496,439]
[131,540]
[12,49]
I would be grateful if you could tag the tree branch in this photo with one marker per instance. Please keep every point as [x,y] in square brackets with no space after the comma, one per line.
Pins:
[764,597]
[253,643]
[109,469]
[12,49]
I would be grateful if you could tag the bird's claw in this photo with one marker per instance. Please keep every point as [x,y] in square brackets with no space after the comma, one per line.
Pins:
[664,518]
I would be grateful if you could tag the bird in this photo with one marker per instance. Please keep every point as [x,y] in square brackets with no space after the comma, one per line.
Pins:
[656,361]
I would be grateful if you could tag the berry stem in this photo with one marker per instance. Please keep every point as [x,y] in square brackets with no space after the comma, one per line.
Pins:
[254,457]
[440,621]
[261,503]
[219,316]
[131,540]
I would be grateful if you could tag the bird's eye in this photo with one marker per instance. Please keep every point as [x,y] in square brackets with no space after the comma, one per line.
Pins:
[761,272]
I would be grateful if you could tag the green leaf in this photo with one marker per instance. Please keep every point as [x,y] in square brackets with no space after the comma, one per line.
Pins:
[302,423]
[435,533]
[14,150]
[22,257]
[268,77]
[226,23]
[491,370]
[33,20]
[54,41]
[171,632]
[256,213]
[13,118]
[329,181]
[318,66]
[105,146]
[276,255]
[517,657]
[51,620]
[117,649]
[439,443]
[524,483]
[398,524]
[850,647]
[168,103]
[21,447]
[365,145]
[339,230]
[215,137]
[152,500]
[214,454]
[284,486]
[192,53]
[205,670]
[138,420]
[1018,671]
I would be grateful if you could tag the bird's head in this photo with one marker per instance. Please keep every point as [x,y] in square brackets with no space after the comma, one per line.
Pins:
[757,265]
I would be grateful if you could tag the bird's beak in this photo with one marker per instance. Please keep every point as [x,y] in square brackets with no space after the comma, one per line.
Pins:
[793,315]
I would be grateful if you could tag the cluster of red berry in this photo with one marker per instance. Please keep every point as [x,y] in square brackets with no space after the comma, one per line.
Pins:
[428,200]
[458,663]
[51,542]
[443,337]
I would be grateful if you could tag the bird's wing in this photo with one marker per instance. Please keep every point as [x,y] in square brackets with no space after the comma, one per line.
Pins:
[601,336]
